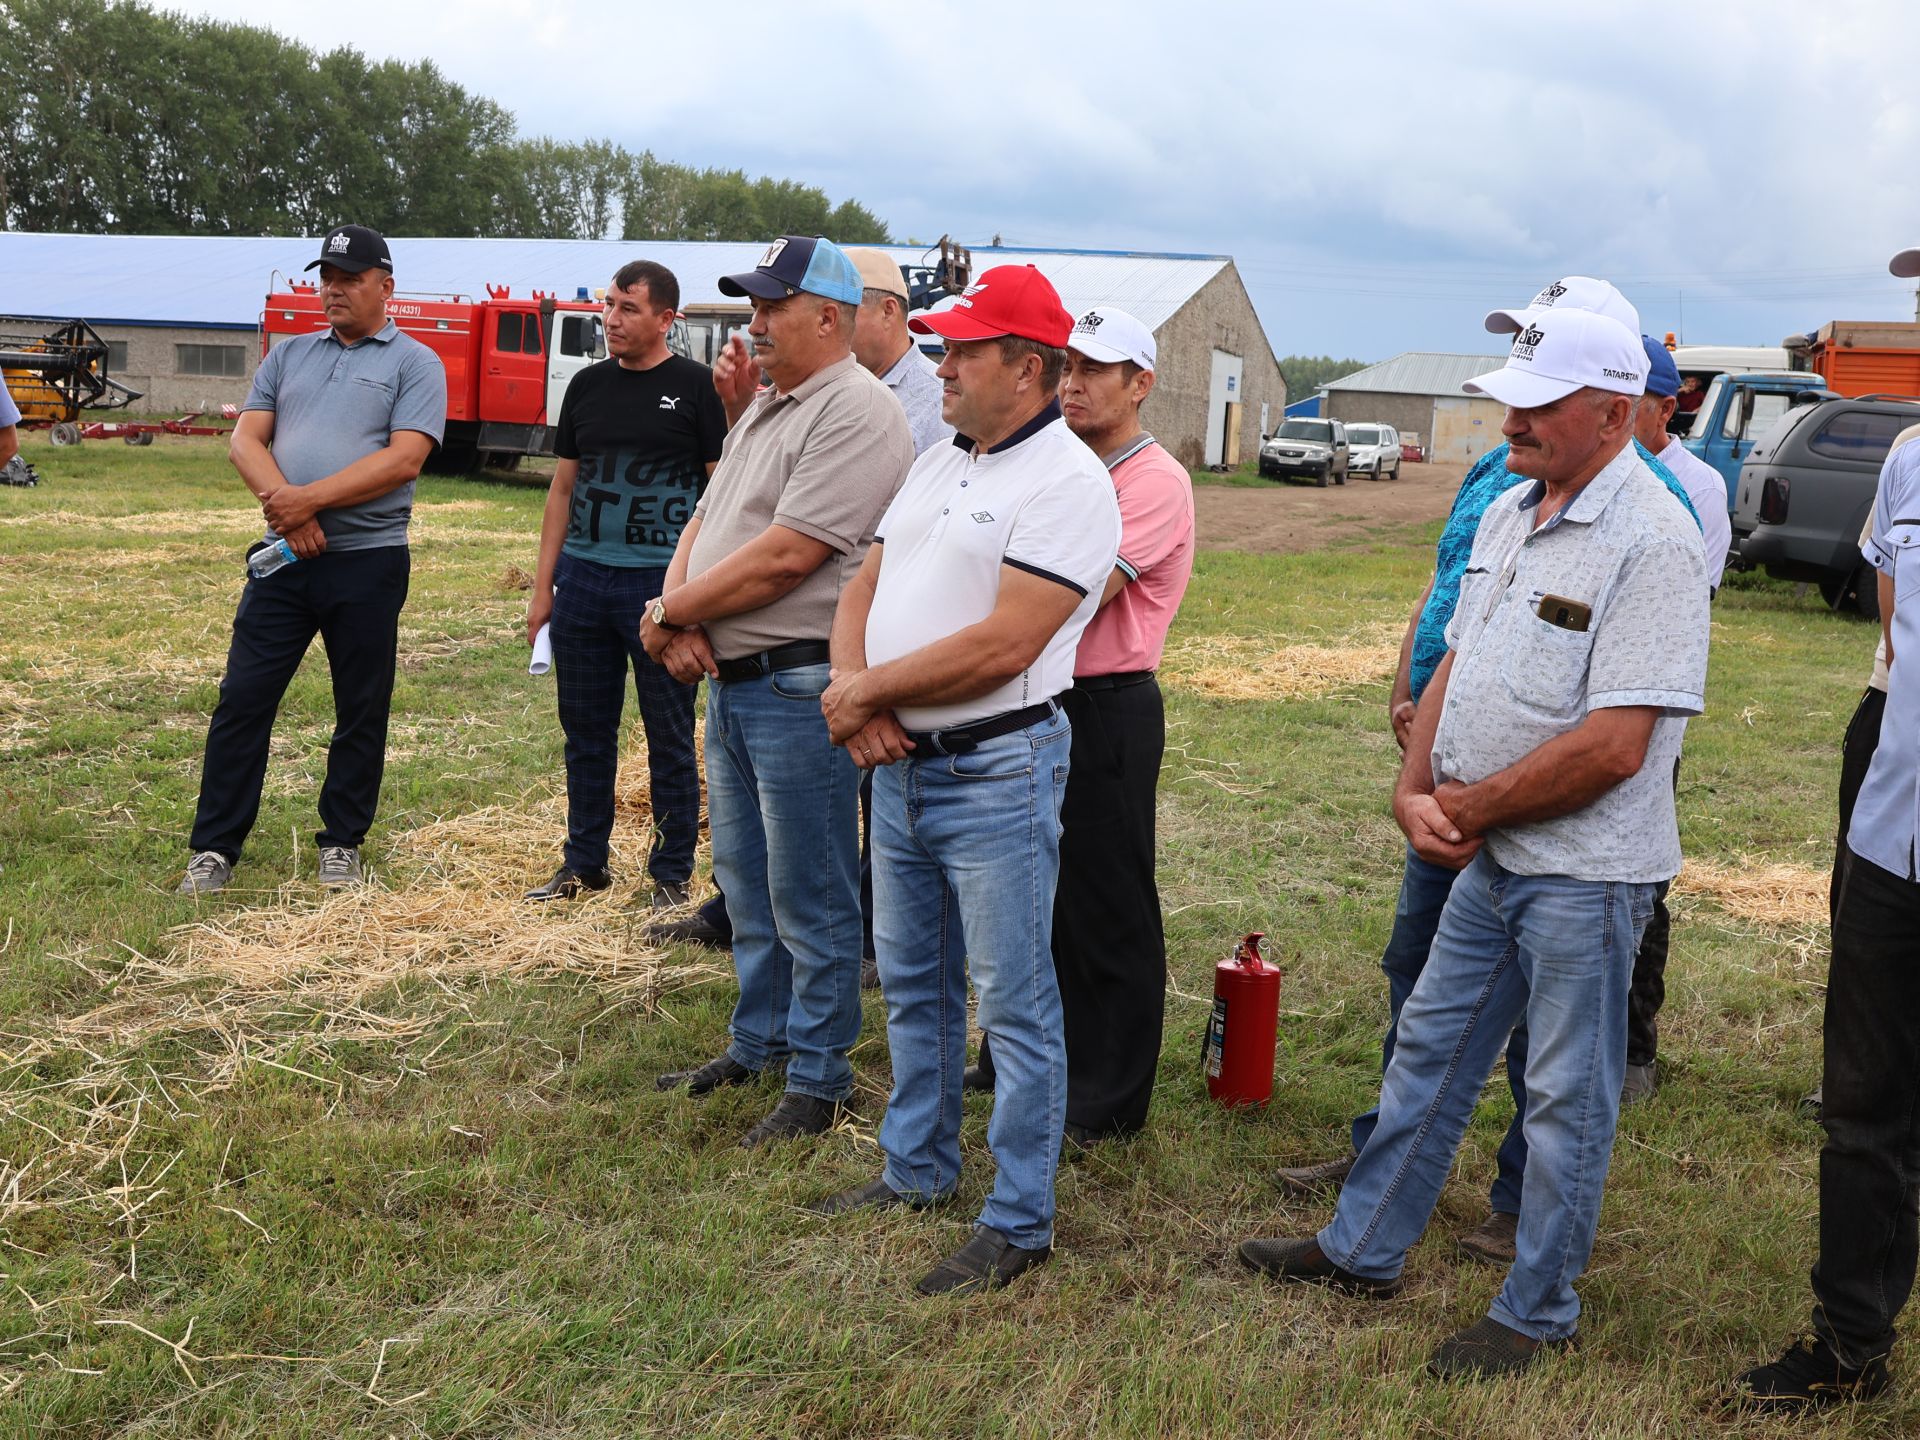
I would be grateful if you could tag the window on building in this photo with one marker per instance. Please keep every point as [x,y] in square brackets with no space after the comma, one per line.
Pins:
[226,362]
[116,357]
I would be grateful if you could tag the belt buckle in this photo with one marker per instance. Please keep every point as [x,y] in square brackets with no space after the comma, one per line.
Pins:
[957,744]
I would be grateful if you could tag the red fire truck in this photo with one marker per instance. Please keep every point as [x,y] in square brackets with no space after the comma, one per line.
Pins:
[508,360]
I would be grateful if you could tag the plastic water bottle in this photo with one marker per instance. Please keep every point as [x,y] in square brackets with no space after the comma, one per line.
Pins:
[272,558]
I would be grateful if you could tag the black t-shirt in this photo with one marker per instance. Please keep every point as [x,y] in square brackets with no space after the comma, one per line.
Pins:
[644,439]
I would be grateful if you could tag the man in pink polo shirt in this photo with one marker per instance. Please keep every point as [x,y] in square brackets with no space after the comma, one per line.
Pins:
[1109,950]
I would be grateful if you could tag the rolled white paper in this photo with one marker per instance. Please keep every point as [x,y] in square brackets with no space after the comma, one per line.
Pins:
[542,652]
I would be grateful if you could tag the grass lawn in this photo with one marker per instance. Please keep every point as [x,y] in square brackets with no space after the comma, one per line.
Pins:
[341,1197]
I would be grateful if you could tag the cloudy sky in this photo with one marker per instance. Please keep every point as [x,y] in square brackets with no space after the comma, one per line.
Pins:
[1382,171]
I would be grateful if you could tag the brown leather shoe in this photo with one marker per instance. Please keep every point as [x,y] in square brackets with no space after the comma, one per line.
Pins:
[1491,1242]
[1311,1181]
[986,1262]
[707,1078]
[1286,1259]
[874,1195]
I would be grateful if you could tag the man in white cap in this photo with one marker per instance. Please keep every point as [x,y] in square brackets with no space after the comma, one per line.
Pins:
[1424,886]
[1109,947]
[1869,1231]
[1538,766]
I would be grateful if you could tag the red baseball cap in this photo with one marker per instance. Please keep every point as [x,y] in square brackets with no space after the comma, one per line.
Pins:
[1007,300]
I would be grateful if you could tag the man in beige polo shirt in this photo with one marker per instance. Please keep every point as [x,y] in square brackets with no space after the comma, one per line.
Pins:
[809,465]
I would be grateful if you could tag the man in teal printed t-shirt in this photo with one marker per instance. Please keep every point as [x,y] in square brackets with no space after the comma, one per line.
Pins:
[639,433]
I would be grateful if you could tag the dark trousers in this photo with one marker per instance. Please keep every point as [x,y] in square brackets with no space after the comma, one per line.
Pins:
[1109,949]
[596,635]
[1856,754]
[1649,989]
[1870,1165]
[714,912]
[352,600]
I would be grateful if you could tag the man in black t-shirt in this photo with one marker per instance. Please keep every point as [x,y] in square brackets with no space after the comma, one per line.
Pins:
[638,435]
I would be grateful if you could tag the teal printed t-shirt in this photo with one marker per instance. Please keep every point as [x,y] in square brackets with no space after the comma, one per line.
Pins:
[644,439]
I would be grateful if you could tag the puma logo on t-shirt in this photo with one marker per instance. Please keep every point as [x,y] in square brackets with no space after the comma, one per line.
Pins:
[667,402]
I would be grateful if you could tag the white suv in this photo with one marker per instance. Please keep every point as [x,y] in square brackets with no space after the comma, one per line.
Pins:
[1374,451]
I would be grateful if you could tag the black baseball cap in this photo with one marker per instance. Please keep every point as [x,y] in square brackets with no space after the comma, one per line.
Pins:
[355,248]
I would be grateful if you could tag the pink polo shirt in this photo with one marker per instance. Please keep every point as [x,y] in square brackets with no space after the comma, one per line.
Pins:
[1156,552]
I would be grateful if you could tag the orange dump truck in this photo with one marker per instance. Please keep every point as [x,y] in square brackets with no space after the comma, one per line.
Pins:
[1861,357]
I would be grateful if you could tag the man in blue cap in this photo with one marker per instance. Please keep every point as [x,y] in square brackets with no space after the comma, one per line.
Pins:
[809,464]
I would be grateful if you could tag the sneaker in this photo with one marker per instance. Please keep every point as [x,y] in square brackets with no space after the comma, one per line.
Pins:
[1304,1260]
[1639,1083]
[986,1262]
[1492,1242]
[1486,1349]
[1813,1106]
[339,865]
[1808,1376]
[207,872]
[796,1115]
[567,883]
[1307,1181]
[707,1078]
[671,894]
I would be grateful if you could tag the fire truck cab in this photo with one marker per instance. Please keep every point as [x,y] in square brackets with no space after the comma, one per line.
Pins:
[508,360]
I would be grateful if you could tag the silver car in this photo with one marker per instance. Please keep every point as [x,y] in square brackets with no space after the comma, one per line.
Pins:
[1373,451]
[1316,449]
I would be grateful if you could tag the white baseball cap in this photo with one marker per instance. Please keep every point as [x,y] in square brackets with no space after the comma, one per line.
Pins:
[1906,264]
[1110,335]
[1570,292]
[1561,351]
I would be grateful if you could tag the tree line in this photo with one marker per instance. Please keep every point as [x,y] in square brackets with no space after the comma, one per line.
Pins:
[1305,374]
[117,118]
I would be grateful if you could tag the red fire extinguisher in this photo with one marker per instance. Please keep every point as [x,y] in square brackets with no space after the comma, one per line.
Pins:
[1238,1051]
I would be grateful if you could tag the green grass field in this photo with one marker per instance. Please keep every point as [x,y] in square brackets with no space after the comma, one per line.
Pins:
[445,1201]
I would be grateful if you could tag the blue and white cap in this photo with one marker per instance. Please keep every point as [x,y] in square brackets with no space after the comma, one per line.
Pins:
[799,262]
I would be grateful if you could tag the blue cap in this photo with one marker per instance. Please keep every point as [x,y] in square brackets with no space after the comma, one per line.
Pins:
[1663,376]
[799,262]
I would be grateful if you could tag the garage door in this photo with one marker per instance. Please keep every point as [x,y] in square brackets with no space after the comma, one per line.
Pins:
[1464,429]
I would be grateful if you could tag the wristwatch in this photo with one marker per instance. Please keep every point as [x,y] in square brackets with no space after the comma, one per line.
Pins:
[657,612]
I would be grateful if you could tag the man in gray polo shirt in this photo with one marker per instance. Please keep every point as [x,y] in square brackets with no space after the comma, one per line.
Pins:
[808,467]
[1539,767]
[334,431]
[882,344]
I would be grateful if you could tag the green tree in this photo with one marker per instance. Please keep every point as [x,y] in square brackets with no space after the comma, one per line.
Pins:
[1305,374]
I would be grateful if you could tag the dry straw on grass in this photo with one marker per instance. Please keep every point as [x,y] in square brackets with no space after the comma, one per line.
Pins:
[1776,895]
[1251,667]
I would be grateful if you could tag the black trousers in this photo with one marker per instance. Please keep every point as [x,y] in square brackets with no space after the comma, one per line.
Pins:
[1648,990]
[1856,754]
[1109,948]
[1870,1165]
[352,600]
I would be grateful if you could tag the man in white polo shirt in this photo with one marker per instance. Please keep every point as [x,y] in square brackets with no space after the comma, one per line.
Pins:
[948,648]
[1539,767]
[1109,948]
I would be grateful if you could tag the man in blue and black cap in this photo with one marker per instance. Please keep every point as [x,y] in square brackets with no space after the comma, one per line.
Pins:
[809,465]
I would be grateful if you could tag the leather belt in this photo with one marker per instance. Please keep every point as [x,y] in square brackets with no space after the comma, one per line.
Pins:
[790,656]
[962,739]
[1112,682]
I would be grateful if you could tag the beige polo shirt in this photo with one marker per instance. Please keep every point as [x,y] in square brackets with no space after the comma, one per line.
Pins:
[823,459]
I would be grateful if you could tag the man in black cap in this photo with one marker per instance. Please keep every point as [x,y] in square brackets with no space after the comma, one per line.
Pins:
[333,432]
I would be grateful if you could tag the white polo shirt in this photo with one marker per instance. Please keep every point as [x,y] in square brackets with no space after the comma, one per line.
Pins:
[1039,501]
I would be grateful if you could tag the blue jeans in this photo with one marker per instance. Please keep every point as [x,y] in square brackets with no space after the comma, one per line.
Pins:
[1558,954]
[966,853]
[786,852]
[596,636]
[1416,916]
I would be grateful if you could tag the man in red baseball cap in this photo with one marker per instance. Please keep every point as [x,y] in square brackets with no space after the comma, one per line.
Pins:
[949,647]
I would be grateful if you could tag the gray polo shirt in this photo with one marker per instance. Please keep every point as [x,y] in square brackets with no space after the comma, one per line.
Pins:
[1626,549]
[1885,829]
[917,388]
[823,459]
[333,404]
